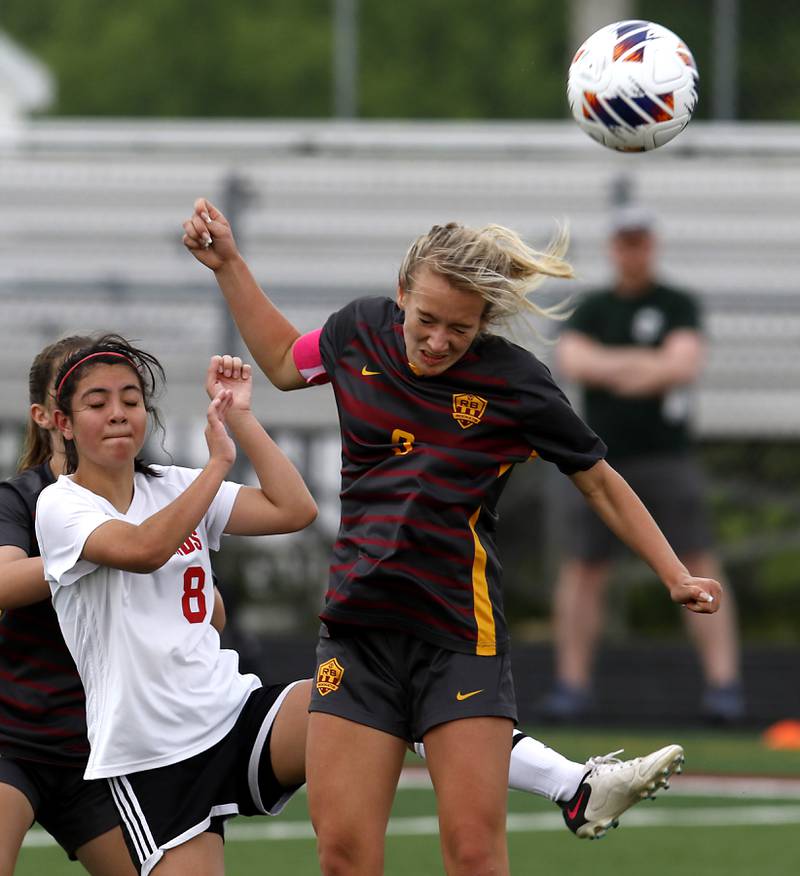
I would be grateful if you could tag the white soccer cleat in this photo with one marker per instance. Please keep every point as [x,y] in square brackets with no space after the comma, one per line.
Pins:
[611,786]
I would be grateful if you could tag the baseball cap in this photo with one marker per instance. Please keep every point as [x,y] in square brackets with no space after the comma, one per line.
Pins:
[632,217]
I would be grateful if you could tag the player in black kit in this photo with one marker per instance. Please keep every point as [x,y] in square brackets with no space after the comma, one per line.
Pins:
[43,744]
[434,413]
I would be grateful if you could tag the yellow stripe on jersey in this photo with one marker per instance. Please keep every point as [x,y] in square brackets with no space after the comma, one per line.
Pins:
[481,603]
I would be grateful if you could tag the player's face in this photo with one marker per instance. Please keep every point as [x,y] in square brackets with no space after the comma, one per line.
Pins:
[440,322]
[109,419]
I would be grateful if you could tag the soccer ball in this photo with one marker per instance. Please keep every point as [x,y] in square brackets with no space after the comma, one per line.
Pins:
[633,86]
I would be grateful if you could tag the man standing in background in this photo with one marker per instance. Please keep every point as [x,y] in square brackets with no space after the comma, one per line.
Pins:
[634,351]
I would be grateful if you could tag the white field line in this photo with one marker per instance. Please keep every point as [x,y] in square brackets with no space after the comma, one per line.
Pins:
[257,831]
[768,788]
[544,822]
[688,786]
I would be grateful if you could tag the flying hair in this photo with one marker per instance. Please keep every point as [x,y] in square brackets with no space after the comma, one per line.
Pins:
[493,262]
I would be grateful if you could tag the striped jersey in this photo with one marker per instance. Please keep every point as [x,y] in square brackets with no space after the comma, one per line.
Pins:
[42,703]
[424,462]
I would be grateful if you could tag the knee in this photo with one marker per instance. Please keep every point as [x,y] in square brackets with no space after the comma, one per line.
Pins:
[346,856]
[475,851]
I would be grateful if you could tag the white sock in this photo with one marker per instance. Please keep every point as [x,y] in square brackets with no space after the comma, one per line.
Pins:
[537,769]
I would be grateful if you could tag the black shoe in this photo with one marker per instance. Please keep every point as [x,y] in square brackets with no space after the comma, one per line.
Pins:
[724,704]
[565,703]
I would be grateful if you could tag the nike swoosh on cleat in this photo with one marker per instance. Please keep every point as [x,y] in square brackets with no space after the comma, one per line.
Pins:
[571,813]
[367,373]
[465,696]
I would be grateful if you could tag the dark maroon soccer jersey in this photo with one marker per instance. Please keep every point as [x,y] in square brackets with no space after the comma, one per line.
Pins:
[424,461]
[42,703]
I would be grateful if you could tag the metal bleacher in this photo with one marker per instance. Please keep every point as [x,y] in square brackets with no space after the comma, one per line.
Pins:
[92,212]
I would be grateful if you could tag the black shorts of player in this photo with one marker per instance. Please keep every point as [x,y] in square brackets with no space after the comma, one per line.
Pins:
[165,807]
[672,487]
[404,685]
[71,809]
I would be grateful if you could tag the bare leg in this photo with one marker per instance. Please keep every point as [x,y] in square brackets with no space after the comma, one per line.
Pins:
[578,618]
[287,746]
[714,636]
[17,817]
[201,856]
[352,776]
[471,793]
[107,855]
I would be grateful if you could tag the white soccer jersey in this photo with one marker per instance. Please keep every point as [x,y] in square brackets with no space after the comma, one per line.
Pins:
[159,688]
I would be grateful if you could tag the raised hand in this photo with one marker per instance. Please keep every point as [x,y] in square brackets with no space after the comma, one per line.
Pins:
[229,372]
[221,446]
[208,236]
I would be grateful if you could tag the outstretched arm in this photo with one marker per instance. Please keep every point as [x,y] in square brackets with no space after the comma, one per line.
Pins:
[623,512]
[21,578]
[269,336]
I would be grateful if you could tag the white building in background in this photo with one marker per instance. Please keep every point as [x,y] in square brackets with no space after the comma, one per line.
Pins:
[26,85]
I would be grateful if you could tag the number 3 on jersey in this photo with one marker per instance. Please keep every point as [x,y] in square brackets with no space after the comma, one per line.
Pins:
[403,442]
[193,601]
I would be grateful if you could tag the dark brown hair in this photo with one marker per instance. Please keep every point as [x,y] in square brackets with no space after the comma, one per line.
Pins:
[36,446]
[109,349]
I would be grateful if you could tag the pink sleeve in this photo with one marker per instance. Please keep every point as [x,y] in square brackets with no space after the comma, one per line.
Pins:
[308,359]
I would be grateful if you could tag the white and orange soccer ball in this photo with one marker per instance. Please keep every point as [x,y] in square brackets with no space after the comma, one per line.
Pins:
[633,86]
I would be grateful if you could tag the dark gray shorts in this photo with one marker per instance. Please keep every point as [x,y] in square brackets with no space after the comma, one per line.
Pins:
[70,808]
[405,686]
[673,488]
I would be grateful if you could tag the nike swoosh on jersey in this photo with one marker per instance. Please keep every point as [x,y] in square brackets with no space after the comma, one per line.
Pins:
[465,696]
[367,373]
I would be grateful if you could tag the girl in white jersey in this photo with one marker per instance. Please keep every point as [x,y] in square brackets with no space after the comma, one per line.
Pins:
[184,738]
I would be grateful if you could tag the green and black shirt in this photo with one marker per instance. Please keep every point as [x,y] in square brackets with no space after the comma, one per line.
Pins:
[644,425]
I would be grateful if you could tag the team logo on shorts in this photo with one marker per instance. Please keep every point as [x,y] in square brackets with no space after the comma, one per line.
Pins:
[468,409]
[329,676]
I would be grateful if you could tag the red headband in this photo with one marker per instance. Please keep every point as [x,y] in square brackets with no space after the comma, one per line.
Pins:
[86,359]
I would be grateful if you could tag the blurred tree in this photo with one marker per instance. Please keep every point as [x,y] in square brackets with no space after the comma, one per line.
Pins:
[181,58]
[455,58]
[464,59]
[450,59]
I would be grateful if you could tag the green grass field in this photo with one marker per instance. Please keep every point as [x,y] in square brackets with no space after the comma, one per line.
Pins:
[741,832]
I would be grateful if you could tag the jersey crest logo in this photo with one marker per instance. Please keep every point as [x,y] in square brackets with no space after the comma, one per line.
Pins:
[329,676]
[468,409]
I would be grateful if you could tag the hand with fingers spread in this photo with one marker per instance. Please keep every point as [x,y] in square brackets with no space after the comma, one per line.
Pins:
[207,235]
